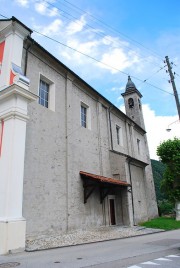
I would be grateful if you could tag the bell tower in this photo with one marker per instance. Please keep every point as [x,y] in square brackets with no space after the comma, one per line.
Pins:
[132,99]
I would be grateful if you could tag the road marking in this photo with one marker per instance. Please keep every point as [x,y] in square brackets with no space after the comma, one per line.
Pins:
[153,263]
[134,266]
[162,259]
[150,262]
[172,256]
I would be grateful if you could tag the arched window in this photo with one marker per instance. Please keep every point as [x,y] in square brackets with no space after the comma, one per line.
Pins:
[131,102]
[139,104]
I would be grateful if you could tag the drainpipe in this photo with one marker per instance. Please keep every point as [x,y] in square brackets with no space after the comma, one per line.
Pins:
[67,149]
[26,59]
[99,137]
[110,127]
[130,177]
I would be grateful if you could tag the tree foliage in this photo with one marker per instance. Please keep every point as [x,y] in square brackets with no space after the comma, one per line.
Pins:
[165,206]
[169,153]
[158,169]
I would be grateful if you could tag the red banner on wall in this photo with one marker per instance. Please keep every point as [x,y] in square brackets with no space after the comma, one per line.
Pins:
[1,53]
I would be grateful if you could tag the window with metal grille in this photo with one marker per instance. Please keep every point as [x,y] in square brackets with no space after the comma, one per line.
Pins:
[83,116]
[43,93]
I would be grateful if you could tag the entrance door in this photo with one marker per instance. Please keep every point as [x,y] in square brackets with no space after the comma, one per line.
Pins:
[112,211]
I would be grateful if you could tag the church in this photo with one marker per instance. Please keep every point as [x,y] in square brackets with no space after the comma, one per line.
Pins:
[69,159]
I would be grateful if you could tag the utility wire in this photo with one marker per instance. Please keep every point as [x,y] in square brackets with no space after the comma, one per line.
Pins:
[74,49]
[76,21]
[176,74]
[115,30]
[100,34]
[88,26]
[4,16]
[103,63]
[145,80]
[94,59]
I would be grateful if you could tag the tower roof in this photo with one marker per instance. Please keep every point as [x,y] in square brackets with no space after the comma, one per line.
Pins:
[131,88]
[130,84]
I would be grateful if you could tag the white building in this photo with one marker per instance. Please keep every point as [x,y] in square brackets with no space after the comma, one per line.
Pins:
[69,159]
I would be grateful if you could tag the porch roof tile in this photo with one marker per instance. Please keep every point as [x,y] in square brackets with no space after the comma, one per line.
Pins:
[102,179]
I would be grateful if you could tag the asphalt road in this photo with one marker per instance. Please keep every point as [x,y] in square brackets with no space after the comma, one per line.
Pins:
[159,249]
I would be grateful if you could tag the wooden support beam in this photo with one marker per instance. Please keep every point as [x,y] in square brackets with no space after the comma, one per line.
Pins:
[88,190]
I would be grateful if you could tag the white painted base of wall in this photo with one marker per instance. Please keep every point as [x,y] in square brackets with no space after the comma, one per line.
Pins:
[12,236]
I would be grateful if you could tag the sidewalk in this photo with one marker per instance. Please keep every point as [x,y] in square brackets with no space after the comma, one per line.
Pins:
[83,237]
[111,254]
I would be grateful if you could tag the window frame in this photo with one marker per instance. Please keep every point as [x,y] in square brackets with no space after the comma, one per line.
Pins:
[83,116]
[44,89]
[51,92]
[87,116]
[139,146]
[118,134]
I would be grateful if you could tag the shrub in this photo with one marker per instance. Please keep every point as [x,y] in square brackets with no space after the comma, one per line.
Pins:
[165,207]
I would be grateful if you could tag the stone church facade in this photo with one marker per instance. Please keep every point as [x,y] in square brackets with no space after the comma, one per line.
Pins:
[69,159]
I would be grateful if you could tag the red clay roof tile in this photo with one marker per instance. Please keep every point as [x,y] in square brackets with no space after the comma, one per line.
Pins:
[103,179]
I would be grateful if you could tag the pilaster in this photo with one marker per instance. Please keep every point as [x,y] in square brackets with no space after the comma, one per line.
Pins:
[11,47]
[13,117]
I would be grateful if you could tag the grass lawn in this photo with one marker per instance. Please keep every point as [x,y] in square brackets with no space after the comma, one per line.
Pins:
[162,223]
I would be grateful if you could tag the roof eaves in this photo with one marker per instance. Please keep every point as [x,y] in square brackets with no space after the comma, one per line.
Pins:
[18,21]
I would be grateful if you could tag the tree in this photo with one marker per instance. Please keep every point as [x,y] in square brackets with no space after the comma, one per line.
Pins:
[169,153]
[164,205]
[158,169]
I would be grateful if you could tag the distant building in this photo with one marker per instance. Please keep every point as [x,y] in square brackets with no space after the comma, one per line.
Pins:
[69,159]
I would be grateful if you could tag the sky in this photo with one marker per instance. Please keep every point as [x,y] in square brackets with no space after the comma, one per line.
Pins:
[105,41]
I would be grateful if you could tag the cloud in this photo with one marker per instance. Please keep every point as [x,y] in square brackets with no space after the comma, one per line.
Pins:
[117,55]
[76,26]
[107,49]
[116,59]
[110,50]
[114,42]
[117,89]
[52,29]
[113,59]
[44,8]
[156,127]
[41,7]
[119,98]
[23,3]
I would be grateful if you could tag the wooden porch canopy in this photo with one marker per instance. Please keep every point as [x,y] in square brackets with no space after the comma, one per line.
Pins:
[104,184]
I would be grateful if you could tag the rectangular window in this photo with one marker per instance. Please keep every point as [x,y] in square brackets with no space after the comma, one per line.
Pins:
[83,116]
[138,145]
[44,93]
[118,134]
